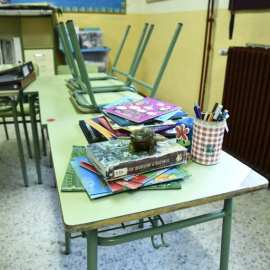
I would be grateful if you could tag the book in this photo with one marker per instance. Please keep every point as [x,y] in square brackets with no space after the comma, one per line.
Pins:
[94,184]
[169,175]
[103,121]
[17,50]
[106,133]
[141,110]
[71,181]
[168,185]
[91,134]
[113,159]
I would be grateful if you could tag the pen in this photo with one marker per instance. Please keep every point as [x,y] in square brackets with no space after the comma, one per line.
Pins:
[210,118]
[197,111]
[206,116]
[225,113]
[215,107]
[217,112]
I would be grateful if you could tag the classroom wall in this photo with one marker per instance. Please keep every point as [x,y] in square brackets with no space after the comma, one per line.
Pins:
[181,80]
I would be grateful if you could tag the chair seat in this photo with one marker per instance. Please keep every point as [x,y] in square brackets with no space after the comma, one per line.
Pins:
[10,114]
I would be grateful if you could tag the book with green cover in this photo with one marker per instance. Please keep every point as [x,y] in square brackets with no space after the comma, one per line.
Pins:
[71,181]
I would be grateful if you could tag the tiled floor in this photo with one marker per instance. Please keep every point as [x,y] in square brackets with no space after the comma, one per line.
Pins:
[32,236]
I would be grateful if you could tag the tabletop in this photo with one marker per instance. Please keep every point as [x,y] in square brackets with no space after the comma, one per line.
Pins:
[207,184]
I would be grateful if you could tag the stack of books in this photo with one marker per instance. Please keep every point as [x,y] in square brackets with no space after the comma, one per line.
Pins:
[107,166]
[122,117]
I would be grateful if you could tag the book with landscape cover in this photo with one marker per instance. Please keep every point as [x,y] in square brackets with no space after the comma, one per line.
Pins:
[113,159]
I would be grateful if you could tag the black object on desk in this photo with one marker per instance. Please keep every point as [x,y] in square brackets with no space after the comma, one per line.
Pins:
[17,78]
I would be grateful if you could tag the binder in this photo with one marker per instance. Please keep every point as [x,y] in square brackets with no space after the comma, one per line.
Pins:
[18,77]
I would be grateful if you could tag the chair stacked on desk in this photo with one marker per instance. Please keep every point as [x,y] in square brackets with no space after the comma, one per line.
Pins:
[68,50]
[85,97]
[99,82]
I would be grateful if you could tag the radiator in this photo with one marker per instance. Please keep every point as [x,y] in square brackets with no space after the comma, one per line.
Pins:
[246,95]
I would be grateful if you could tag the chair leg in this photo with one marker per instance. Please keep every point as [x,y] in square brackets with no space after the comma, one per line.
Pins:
[43,142]
[67,240]
[19,142]
[26,131]
[5,127]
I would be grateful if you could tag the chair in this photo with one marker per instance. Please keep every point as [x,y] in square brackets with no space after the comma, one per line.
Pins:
[19,107]
[64,69]
[109,84]
[9,105]
[85,97]
[22,110]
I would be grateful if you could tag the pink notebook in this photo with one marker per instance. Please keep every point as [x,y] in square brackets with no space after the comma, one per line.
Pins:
[143,109]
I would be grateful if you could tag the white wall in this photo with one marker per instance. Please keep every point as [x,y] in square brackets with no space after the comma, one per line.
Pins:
[134,6]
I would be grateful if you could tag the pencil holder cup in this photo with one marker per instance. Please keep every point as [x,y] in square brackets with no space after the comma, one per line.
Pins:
[207,141]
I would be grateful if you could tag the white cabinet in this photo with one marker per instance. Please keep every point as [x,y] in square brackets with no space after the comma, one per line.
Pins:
[43,58]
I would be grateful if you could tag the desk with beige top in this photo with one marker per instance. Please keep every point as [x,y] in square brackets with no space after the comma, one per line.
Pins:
[207,184]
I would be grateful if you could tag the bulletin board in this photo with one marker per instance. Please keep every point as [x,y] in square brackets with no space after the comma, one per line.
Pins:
[95,6]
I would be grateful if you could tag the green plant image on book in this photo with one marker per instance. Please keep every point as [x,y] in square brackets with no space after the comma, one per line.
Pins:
[71,180]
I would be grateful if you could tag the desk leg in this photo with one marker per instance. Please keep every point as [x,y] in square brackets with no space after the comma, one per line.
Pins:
[92,246]
[226,234]
[19,142]
[25,128]
[68,242]
[35,136]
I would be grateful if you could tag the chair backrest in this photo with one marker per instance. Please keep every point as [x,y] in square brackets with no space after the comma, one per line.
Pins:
[140,49]
[85,83]
[153,88]
[67,49]
[82,78]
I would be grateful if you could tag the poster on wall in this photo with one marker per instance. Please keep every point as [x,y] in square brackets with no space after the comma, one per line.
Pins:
[95,6]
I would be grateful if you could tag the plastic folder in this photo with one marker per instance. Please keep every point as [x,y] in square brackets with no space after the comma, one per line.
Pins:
[17,77]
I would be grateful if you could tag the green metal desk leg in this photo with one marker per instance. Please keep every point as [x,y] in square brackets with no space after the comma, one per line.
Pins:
[19,142]
[92,246]
[35,136]
[25,128]
[226,234]
[68,242]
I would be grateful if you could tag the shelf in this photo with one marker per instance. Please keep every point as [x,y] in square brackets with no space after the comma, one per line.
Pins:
[104,49]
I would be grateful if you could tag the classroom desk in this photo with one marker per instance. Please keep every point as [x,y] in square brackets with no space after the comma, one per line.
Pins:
[80,214]
[9,94]
[207,184]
